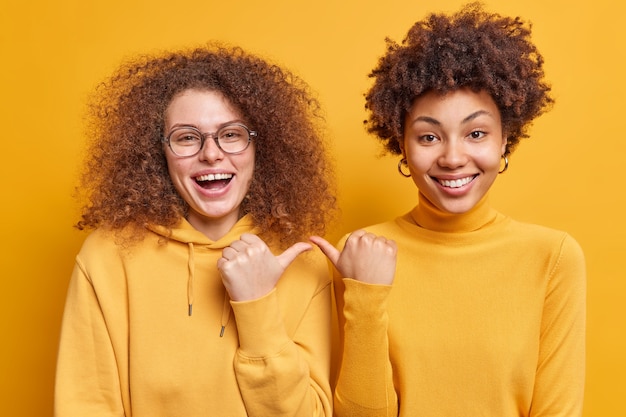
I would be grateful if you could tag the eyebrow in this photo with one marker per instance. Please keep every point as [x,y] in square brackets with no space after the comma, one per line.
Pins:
[221,125]
[433,121]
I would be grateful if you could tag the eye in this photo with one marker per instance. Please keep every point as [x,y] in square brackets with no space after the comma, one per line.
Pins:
[232,134]
[427,139]
[185,137]
[477,134]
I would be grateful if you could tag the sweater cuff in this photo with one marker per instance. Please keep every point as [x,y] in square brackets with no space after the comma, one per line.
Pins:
[260,326]
[363,300]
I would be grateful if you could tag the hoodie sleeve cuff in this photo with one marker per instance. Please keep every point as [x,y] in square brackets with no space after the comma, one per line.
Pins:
[260,326]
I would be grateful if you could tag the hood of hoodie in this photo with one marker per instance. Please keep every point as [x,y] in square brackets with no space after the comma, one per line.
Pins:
[186,234]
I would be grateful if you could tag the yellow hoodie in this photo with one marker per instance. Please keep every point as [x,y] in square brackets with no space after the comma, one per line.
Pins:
[485,317]
[132,345]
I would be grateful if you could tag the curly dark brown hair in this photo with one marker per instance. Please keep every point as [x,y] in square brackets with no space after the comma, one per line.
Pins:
[126,183]
[469,49]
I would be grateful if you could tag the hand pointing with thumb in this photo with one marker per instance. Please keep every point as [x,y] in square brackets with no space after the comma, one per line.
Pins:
[365,257]
[250,270]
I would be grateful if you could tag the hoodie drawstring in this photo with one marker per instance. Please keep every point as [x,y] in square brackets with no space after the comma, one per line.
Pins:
[192,269]
[225,308]
[190,279]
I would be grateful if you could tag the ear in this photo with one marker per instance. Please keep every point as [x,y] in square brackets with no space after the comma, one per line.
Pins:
[505,140]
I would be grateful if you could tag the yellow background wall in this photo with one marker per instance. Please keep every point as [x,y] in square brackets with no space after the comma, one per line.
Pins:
[568,175]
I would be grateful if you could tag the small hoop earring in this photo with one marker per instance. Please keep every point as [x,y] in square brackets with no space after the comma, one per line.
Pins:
[400,164]
[506,164]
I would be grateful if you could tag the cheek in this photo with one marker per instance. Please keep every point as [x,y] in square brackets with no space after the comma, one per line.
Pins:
[243,165]
[249,173]
[420,161]
[490,161]
[246,165]
[176,170]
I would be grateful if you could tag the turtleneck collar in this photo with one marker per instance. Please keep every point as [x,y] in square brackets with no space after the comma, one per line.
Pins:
[428,216]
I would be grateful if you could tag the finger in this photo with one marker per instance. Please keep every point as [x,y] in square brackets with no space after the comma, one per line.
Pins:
[250,238]
[327,248]
[357,234]
[229,253]
[360,237]
[387,245]
[288,256]
[239,245]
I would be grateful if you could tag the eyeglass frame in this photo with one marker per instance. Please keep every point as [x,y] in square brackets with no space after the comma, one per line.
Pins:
[212,135]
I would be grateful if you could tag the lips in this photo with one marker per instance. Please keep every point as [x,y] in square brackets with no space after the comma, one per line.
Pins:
[213,181]
[455,183]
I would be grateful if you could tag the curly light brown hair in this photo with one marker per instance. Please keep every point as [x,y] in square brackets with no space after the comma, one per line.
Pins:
[469,49]
[126,183]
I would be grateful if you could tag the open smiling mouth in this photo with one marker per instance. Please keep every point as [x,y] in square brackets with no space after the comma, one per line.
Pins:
[213,181]
[456,183]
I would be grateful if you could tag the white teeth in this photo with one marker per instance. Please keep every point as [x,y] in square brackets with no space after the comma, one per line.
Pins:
[455,183]
[214,177]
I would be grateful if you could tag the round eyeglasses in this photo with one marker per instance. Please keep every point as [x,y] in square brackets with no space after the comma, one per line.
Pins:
[232,138]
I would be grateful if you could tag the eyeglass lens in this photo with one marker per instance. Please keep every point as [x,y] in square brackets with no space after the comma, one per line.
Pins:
[187,141]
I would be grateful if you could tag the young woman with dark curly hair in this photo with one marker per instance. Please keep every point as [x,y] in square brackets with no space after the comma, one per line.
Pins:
[193,295]
[454,309]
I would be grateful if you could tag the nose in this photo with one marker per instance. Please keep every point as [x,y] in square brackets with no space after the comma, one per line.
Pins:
[453,155]
[210,152]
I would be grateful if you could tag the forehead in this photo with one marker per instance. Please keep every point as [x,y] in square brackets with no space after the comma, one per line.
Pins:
[453,106]
[195,96]
[197,107]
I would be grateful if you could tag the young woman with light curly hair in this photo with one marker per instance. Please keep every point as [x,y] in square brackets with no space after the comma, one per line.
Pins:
[455,309]
[193,295]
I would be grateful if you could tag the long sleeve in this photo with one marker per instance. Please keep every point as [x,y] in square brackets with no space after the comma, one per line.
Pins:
[278,375]
[365,355]
[559,385]
[87,378]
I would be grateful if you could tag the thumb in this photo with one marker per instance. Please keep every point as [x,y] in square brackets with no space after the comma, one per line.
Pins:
[291,253]
[327,248]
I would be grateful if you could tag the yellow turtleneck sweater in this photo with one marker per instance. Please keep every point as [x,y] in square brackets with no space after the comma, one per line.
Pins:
[486,317]
[132,346]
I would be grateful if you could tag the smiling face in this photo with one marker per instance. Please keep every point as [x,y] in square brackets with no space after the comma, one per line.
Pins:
[212,183]
[453,144]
